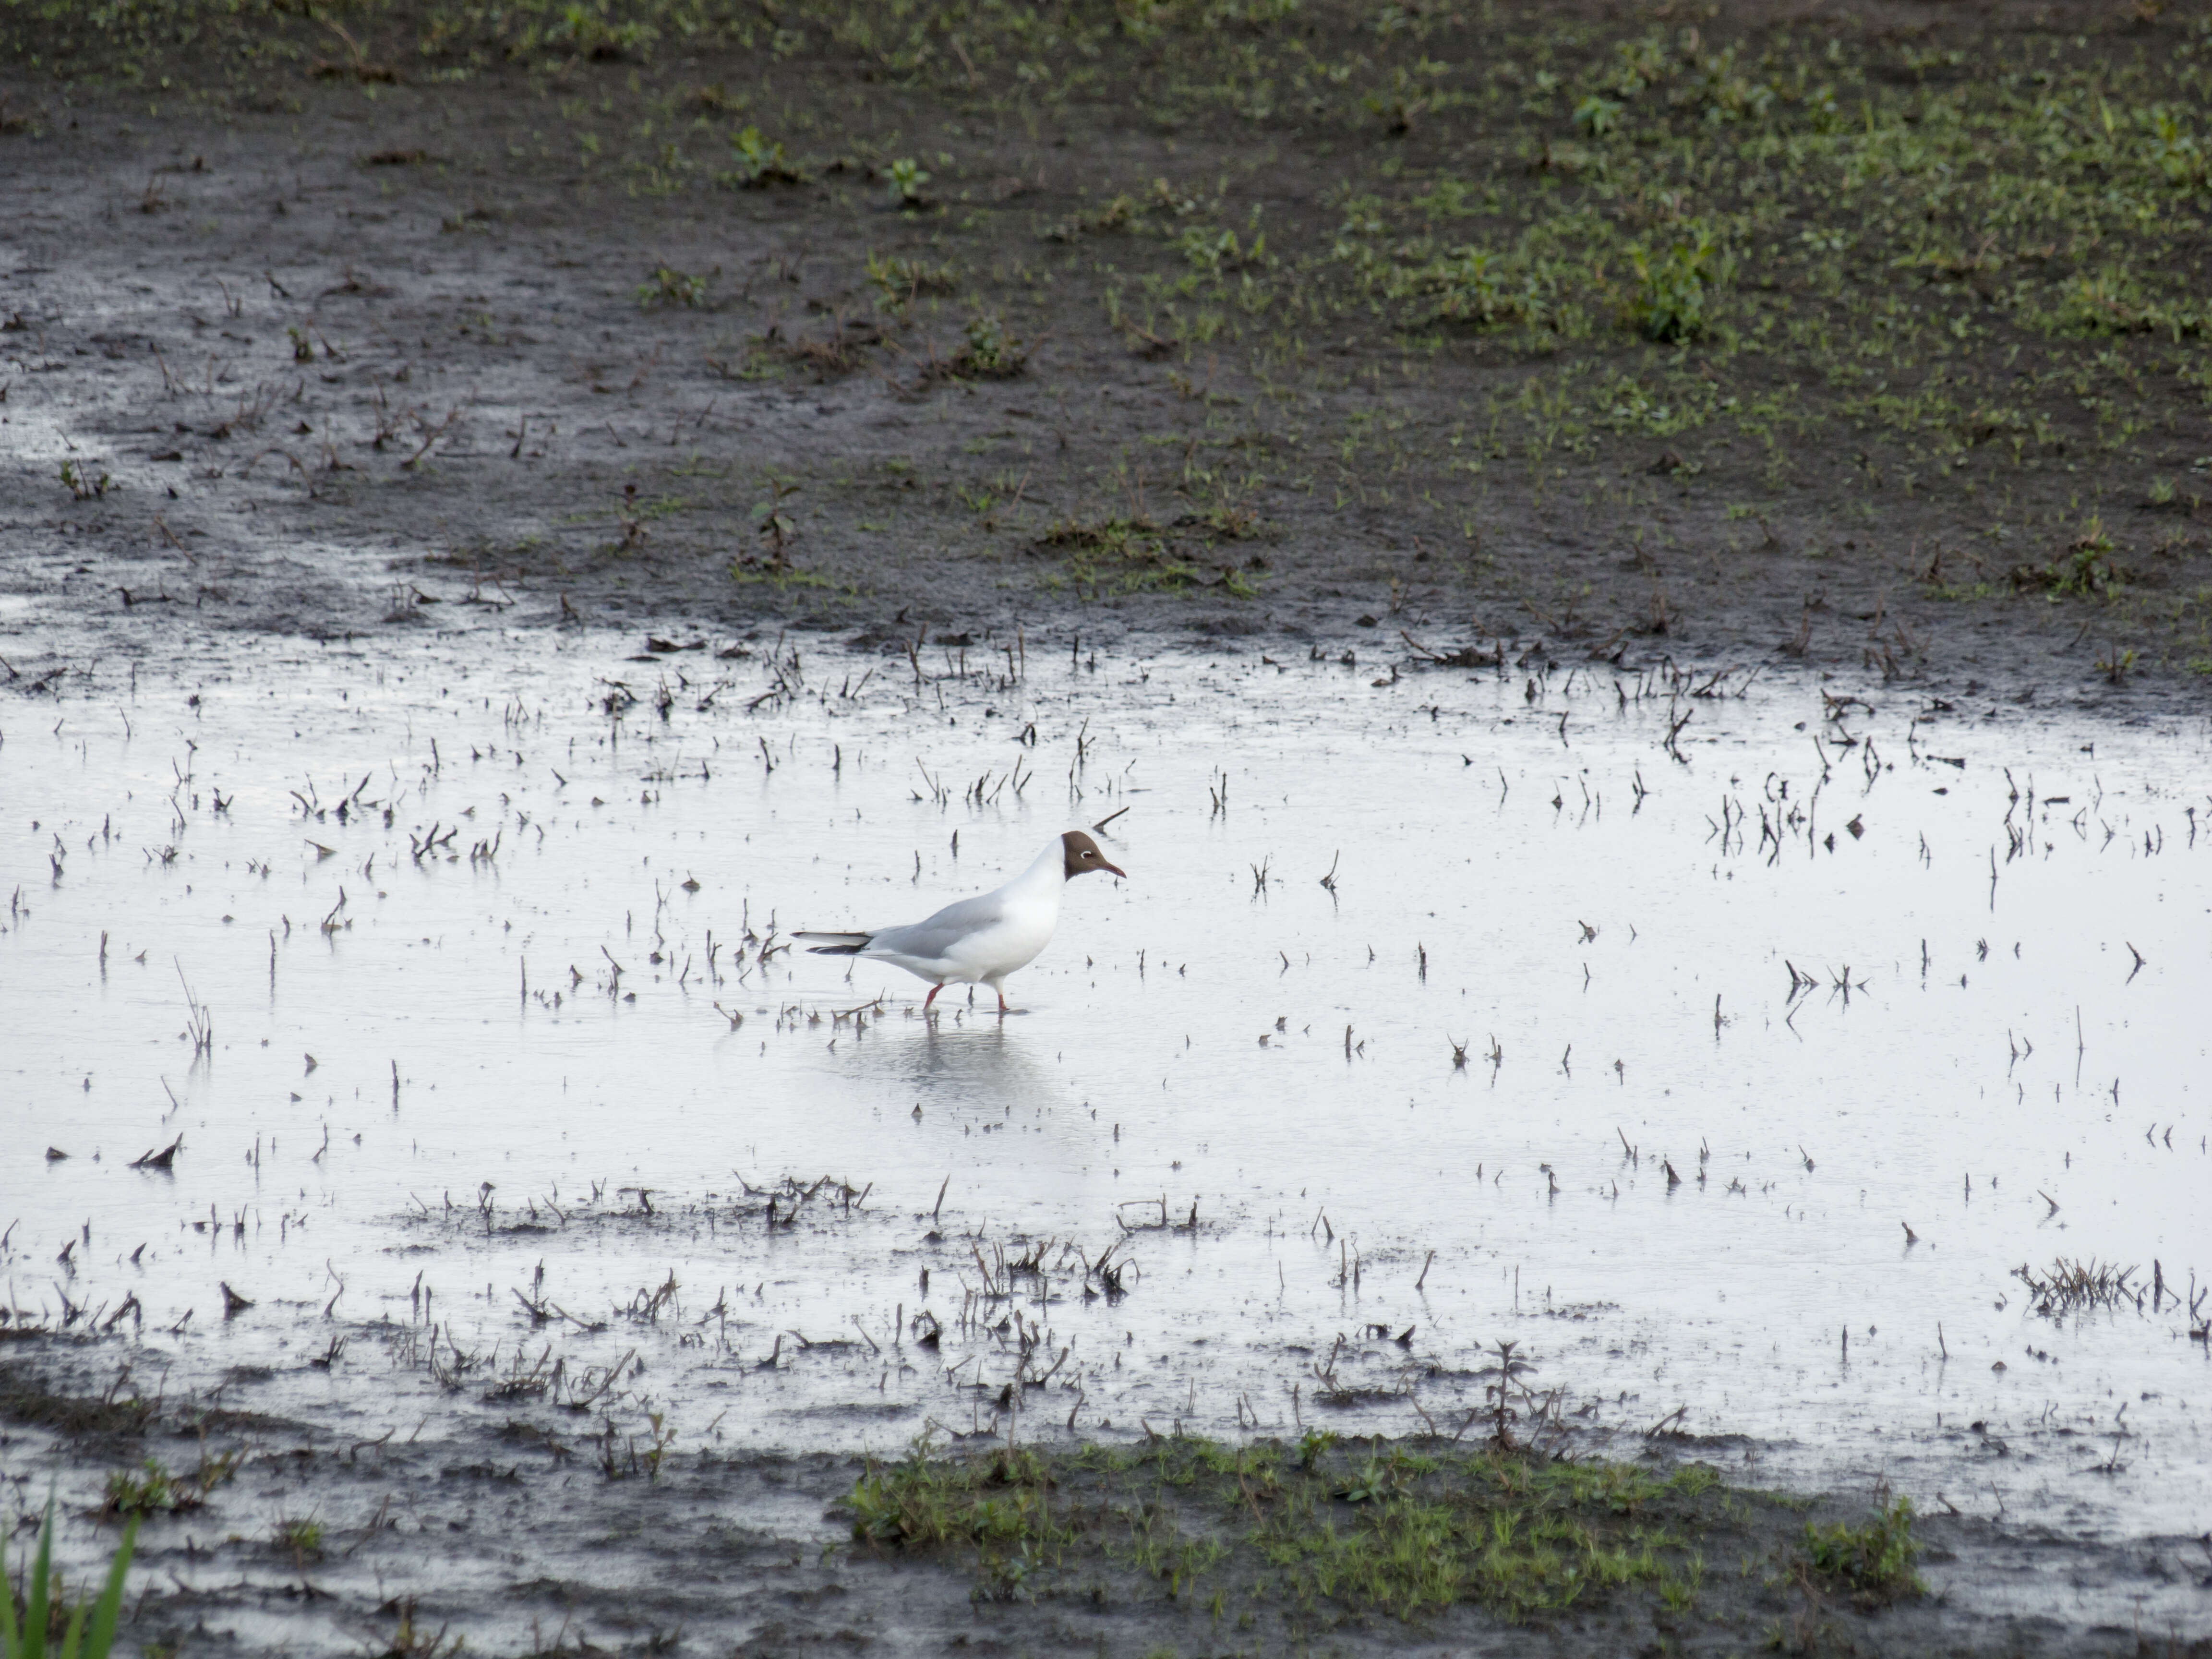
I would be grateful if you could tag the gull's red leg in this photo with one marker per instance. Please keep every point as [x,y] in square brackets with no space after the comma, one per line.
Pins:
[931,998]
[1002,1001]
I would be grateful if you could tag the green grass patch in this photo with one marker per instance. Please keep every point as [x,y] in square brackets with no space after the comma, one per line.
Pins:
[151,1489]
[1326,1530]
[1873,1560]
[298,1535]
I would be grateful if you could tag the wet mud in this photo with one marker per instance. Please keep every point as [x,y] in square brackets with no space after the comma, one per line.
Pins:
[506,1536]
[313,352]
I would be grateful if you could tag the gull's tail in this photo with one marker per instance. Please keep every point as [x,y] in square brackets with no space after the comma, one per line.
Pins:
[837,944]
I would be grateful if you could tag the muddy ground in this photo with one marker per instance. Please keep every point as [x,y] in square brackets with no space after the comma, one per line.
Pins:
[1874,338]
[510,1530]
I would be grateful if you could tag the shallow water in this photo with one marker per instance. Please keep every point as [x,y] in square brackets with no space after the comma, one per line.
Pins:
[1673,1170]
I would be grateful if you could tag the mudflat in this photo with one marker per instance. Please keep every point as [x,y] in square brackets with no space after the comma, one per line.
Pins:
[1874,339]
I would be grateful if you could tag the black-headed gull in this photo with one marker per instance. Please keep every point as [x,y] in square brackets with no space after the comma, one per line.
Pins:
[979,941]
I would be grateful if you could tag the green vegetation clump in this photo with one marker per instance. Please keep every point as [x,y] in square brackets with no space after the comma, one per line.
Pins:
[905,177]
[150,1489]
[1873,1560]
[669,287]
[989,353]
[1671,286]
[900,281]
[2085,570]
[1314,1531]
[298,1535]
[1114,554]
[760,162]
[922,1502]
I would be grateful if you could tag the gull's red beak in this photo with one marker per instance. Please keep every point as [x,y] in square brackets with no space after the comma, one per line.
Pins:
[1115,868]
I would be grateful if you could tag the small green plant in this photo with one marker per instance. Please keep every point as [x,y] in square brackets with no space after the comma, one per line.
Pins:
[1375,1480]
[1208,249]
[2084,570]
[1474,290]
[662,1436]
[906,178]
[29,1633]
[2162,492]
[1694,1480]
[1680,1595]
[899,281]
[1503,1379]
[1143,20]
[301,1536]
[774,525]
[761,163]
[1403,101]
[150,1489]
[2111,301]
[669,287]
[990,353]
[1119,214]
[1215,251]
[303,348]
[1672,286]
[587,32]
[1314,1445]
[409,1640]
[80,484]
[2177,153]
[1597,115]
[1874,1560]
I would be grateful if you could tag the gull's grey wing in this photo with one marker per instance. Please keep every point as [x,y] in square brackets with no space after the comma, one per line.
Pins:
[929,940]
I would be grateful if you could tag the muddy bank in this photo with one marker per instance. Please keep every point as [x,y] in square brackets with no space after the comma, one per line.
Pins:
[520,1537]
[1594,332]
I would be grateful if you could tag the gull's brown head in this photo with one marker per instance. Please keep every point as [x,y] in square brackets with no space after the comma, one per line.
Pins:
[1083,856]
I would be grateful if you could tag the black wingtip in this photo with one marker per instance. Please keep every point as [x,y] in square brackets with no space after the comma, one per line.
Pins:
[837,950]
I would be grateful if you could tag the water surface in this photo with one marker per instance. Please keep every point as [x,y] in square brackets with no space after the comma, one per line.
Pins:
[1728,1043]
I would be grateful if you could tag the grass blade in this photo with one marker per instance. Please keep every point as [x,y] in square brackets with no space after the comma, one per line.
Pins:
[34,1643]
[8,1643]
[110,1606]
